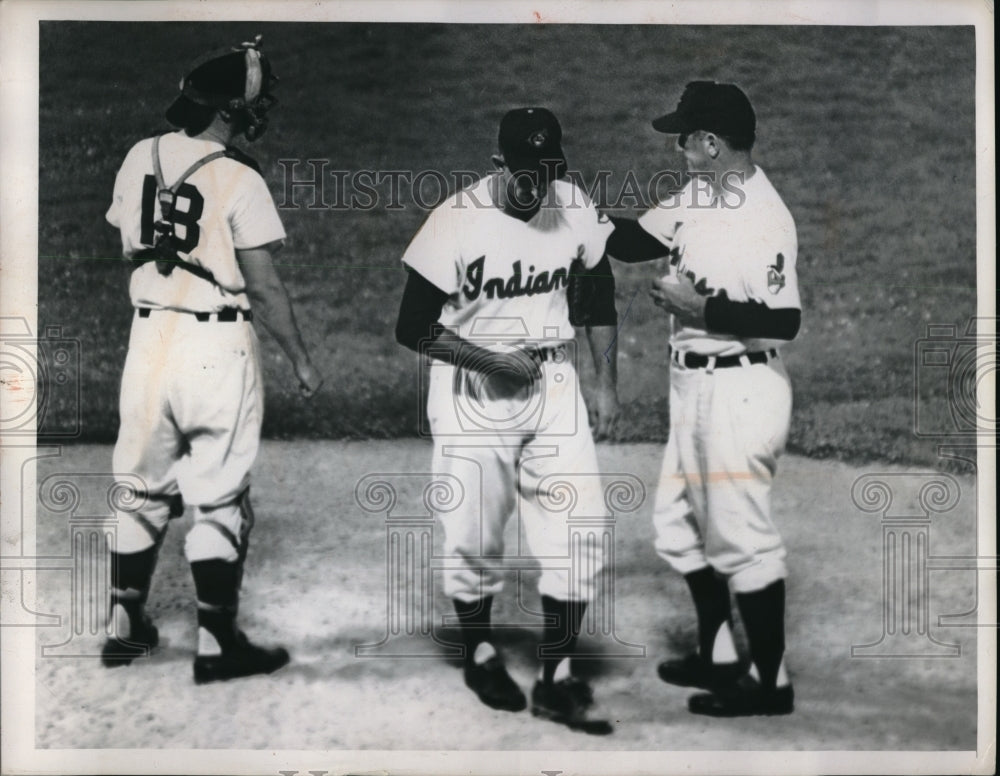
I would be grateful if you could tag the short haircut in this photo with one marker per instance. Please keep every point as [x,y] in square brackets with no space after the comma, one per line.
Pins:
[739,142]
[197,118]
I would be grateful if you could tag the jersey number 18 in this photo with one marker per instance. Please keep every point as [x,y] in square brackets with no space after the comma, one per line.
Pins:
[186,218]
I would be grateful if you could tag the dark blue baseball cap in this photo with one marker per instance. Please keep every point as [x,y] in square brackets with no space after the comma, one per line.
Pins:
[531,141]
[713,107]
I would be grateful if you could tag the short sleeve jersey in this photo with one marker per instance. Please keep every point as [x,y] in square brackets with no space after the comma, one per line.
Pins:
[222,207]
[741,244]
[506,278]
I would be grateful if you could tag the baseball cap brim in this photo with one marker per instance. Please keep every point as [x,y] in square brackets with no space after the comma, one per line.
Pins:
[673,124]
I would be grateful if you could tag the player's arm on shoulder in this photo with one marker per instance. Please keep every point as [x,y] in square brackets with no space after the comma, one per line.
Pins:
[631,243]
[650,236]
[271,304]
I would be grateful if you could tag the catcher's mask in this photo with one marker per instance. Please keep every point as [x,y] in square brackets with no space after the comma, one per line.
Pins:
[237,81]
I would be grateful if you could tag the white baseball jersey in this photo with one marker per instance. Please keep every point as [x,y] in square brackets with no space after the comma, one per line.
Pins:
[742,244]
[222,207]
[728,426]
[504,271]
[506,281]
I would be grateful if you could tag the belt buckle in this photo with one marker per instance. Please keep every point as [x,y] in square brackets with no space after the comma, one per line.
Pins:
[546,353]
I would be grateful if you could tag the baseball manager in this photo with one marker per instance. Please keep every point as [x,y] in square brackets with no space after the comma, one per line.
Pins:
[733,298]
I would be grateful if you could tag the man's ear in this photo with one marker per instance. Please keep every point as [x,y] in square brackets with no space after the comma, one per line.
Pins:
[498,161]
[711,143]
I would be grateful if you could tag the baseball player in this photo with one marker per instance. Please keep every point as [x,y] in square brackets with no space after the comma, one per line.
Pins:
[733,295]
[198,223]
[486,300]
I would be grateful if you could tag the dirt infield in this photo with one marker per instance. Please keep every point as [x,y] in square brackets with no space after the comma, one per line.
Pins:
[317,582]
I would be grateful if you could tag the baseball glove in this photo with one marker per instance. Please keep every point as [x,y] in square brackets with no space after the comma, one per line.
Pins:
[591,294]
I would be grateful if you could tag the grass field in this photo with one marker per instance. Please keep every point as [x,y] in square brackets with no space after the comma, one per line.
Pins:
[867,132]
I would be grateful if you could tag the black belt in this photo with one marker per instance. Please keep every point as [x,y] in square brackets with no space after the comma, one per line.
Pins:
[697,361]
[555,353]
[225,315]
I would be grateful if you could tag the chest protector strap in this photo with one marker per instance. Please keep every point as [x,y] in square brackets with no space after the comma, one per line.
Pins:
[164,252]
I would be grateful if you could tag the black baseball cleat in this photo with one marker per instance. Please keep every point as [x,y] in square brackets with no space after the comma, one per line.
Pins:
[694,671]
[584,694]
[566,702]
[242,659]
[140,642]
[744,698]
[494,686]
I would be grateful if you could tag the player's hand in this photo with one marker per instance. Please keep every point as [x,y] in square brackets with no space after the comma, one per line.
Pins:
[310,380]
[510,375]
[676,294]
[604,413]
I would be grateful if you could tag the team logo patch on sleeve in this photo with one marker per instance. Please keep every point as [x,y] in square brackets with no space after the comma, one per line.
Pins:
[775,275]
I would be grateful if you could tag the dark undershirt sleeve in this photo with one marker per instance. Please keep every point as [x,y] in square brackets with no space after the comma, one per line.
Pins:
[751,319]
[630,243]
[419,311]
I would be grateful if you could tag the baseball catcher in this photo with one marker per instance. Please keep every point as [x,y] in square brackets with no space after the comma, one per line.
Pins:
[199,226]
